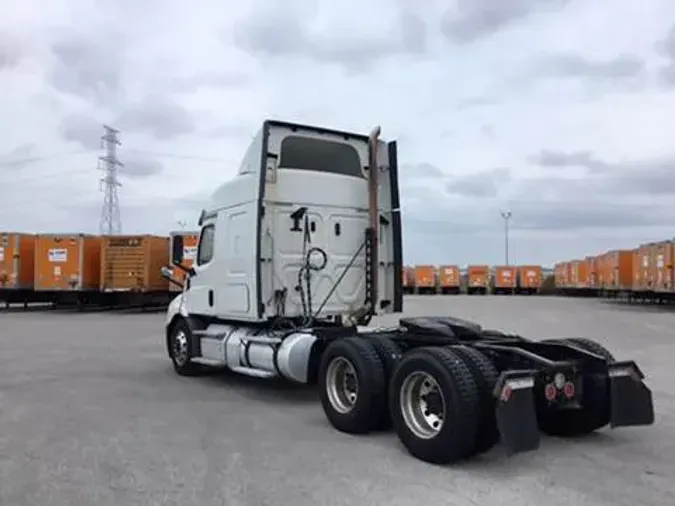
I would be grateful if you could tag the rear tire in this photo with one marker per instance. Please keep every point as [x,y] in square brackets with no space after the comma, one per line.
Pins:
[595,413]
[593,347]
[390,354]
[434,403]
[485,375]
[352,385]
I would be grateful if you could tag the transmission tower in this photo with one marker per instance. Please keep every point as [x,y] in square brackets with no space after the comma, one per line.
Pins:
[111,222]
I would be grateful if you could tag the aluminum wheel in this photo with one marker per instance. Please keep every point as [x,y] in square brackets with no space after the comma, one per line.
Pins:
[342,385]
[180,348]
[422,405]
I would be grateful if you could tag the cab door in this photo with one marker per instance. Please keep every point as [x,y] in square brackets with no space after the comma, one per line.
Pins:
[199,290]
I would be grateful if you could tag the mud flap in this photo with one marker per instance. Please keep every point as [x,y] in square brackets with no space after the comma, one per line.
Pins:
[630,399]
[516,413]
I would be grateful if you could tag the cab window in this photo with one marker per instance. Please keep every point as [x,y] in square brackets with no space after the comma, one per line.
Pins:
[205,248]
[307,153]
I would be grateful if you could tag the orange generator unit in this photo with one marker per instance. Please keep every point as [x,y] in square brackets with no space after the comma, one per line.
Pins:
[591,274]
[641,282]
[618,271]
[529,279]
[408,274]
[425,279]
[134,263]
[17,257]
[505,279]
[449,279]
[661,267]
[477,279]
[67,262]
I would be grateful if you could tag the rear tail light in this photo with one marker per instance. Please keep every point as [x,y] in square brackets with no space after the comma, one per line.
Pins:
[569,390]
[550,392]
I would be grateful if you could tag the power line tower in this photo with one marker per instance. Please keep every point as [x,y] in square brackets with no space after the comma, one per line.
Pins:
[111,223]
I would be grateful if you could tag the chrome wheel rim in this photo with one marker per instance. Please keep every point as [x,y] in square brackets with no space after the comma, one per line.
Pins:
[342,385]
[422,405]
[180,348]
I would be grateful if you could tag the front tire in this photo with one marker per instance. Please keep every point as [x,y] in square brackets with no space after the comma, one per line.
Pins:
[180,349]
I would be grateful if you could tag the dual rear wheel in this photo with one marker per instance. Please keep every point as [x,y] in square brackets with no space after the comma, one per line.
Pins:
[438,399]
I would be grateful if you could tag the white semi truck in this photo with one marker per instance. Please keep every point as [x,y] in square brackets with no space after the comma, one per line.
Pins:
[303,247]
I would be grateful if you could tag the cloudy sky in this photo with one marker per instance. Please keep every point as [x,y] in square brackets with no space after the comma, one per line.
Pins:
[561,111]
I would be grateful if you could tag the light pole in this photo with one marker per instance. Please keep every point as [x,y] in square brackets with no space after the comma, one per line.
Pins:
[506,215]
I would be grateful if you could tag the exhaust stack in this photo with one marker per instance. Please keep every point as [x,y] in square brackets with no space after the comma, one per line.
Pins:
[373,184]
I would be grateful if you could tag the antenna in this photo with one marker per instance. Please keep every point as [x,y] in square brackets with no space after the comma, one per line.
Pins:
[111,223]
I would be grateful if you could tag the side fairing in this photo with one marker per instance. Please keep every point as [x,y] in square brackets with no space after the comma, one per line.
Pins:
[391,256]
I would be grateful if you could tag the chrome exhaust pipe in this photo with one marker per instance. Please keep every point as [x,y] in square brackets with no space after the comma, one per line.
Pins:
[373,186]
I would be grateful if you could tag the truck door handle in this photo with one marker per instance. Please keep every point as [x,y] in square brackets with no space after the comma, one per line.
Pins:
[211,298]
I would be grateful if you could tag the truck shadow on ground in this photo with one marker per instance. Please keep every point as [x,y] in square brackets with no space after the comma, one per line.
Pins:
[273,391]
[637,307]
[496,463]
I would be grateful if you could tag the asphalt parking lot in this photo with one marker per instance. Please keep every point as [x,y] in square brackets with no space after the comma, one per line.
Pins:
[91,413]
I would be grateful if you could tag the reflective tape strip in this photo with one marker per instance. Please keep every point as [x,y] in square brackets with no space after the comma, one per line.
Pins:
[618,372]
[520,383]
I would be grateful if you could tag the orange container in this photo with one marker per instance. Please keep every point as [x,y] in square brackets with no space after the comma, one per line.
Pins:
[641,268]
[183,246]
[558,274]
[530,276]
[506,276]
[478,276]
[573,275]
[67,262]
[578,276]
[408,277]
[17,260]
[134,263]
[618,270]
[425,276]
[602,274]
[448,276]
[564,274]
[591,275]
[661,266]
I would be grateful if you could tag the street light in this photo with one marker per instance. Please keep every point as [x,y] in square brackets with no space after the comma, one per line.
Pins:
[506,215]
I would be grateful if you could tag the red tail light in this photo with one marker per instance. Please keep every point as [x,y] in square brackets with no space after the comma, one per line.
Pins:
[569,390]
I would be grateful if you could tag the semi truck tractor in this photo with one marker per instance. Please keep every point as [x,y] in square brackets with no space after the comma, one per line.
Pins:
[302,248]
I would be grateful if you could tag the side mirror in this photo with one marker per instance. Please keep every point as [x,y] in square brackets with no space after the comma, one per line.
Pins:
[177,249]
[190,271]
[167,274]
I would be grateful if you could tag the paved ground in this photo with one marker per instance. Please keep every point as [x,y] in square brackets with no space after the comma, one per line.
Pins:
[91,413]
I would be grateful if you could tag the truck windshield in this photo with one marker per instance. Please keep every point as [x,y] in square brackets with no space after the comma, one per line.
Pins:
[306,153]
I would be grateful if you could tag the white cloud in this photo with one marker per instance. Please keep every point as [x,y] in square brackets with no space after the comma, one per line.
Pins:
[535,106]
